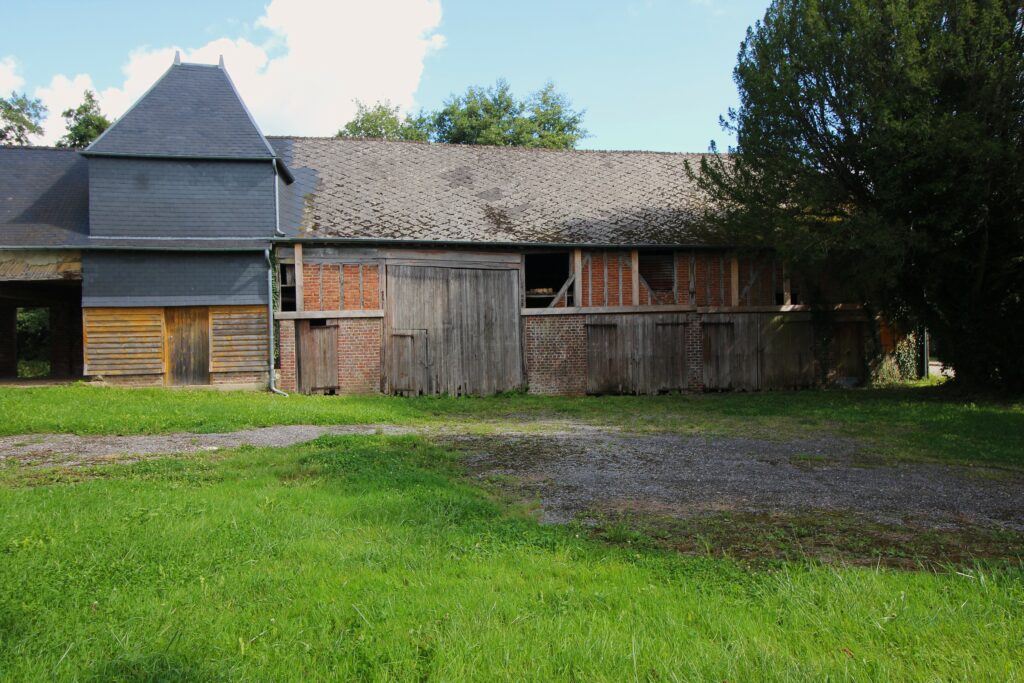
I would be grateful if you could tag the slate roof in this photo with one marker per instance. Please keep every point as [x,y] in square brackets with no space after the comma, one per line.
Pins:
[376,190]
[44,197]
[192,111]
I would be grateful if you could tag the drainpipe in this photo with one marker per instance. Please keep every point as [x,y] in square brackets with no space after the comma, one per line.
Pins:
[270,321]
[277,201]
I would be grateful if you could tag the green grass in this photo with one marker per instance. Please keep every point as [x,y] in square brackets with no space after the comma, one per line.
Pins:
[918,422]
[367,558]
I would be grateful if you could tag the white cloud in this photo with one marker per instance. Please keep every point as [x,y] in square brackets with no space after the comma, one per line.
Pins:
[9,78]
[320,55]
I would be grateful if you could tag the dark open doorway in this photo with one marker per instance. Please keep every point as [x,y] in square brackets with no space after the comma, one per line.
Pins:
[40,330]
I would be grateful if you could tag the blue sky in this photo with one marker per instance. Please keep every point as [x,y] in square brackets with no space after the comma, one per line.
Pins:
[651,74]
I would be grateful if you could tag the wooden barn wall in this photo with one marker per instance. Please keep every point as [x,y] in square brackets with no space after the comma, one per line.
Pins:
[751,351]
[131,345]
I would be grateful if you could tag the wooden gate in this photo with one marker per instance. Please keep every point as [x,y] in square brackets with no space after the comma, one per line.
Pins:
[318,355]
[755,351]
[452,330]
[636,353]
[188,345]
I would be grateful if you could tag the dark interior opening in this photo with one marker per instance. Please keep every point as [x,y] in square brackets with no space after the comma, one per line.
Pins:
[657,268]
[545,275]
[286,277]
[33,342]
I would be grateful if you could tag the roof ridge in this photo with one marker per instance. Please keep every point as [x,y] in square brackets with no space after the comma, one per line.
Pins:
[49,148]
[516,148]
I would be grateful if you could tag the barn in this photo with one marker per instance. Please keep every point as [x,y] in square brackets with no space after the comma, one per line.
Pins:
[184,247]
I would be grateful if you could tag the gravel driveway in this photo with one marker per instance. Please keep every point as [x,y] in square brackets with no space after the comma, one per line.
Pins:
[685,476]
[70,449]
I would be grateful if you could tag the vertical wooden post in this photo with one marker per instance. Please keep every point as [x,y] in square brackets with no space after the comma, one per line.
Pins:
[577,283]
[787,289]
[634,265]
[299,288]
[735,281]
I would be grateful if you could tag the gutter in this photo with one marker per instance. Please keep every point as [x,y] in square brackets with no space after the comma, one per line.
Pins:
[270,323]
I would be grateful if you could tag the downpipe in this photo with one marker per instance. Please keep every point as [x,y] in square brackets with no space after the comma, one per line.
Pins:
[270,322]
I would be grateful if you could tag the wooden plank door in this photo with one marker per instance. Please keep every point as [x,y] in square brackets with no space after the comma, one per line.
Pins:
[664,351]
[609,355]
[318,356]
[188,345]
[452,330]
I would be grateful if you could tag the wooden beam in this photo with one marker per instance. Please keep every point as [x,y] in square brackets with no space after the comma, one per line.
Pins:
[577,272]
[787,289]
[634,265]
[735,288]
[314,315]
[588,310]
[300,289]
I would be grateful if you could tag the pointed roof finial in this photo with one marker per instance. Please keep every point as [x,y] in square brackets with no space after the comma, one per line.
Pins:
[220,62]
[177,58]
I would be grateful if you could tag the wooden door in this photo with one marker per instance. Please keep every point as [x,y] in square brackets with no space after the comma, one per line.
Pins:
[188,345]
[636,354]
[452,330]
[732,352]
[318,356]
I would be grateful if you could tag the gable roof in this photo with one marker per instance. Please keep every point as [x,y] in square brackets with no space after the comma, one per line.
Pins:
[377,190]
[44,197]
[193,111]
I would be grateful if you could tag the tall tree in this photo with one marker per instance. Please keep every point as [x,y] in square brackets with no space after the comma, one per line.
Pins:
[84,123]
[480,116]
[883,143]
[493,116]
[20,117]
[383,121]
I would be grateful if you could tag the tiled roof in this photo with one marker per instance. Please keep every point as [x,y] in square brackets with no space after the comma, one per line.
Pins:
[376,190]
[44,197]
[193,111]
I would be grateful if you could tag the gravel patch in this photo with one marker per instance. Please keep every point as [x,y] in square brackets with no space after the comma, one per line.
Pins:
[686,476]
[70,449]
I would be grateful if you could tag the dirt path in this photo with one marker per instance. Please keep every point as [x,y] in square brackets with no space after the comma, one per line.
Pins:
[577,468]
[682,476]
[70,450]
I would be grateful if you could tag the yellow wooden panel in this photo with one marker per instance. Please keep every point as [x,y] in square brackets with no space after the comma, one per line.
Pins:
[123,341]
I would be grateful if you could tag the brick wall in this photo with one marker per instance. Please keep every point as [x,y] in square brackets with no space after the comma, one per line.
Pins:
[337,287]
[556,354]
[695,352]
[286,354]
[359,353]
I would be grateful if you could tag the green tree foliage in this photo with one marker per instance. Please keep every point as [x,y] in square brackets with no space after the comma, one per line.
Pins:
[480,116]
[20,117]
[493,116]
[882,144]
[383,121]
[84,123]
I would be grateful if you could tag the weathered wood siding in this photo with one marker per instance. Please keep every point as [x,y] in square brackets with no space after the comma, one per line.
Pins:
[239,339]
[452,330]
[750,351]
[636,353]
[184,345]
[123,341]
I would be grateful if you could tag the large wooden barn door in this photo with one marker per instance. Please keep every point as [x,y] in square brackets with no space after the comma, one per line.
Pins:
[636,354]
[188,345]
[318,356]
[452,330]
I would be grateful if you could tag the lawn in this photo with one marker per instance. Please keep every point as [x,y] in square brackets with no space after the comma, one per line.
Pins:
[920,423]
[374,558]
